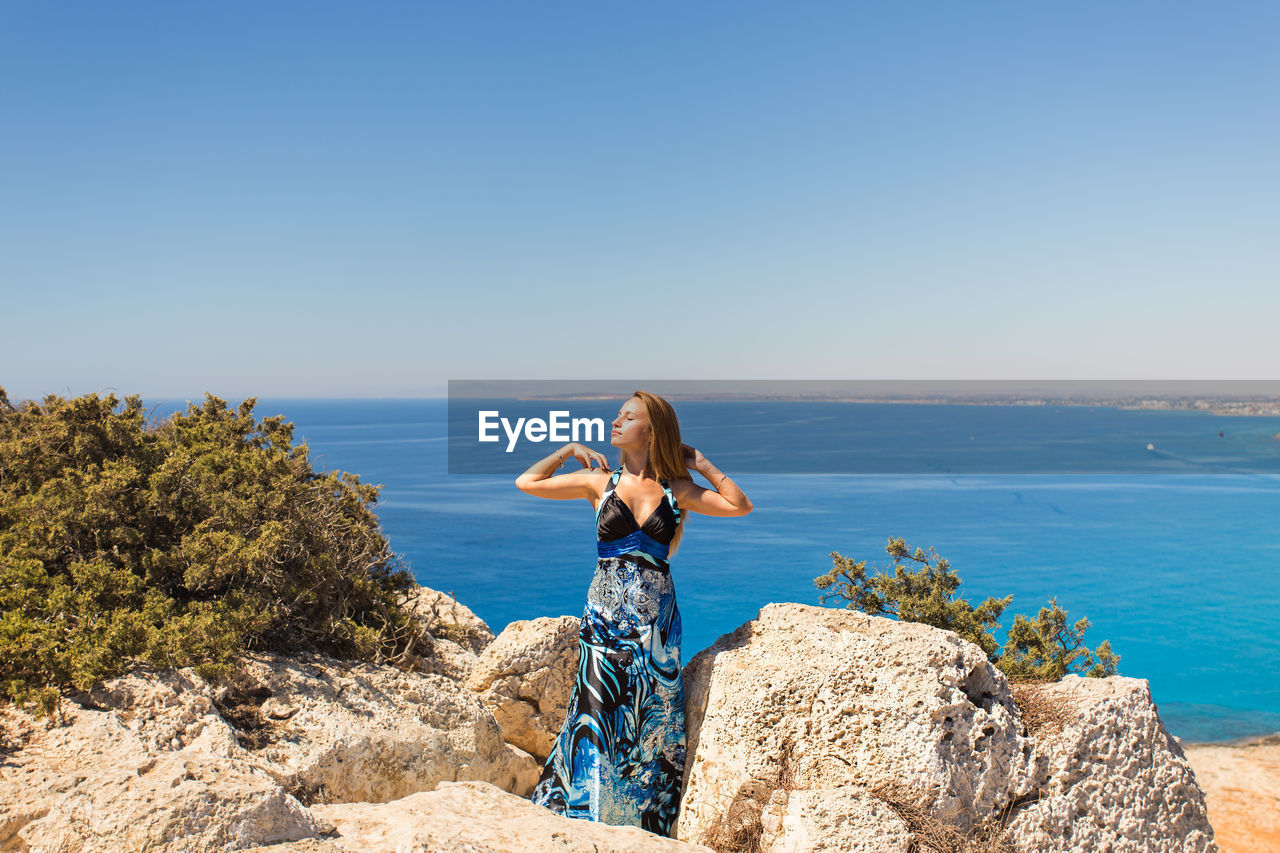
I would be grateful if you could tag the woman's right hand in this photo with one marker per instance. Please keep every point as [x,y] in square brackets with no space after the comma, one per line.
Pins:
[588,457]
[693,458]
[539,479]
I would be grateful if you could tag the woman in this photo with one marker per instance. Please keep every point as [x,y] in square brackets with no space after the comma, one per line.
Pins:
[620,755]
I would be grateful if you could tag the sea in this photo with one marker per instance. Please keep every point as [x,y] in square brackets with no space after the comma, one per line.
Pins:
[1159,527]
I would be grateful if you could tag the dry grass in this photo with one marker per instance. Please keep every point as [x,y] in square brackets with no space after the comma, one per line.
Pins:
[239,702]
[930,835]
[463,634]
[740,829]
[307,793]
[1043,711]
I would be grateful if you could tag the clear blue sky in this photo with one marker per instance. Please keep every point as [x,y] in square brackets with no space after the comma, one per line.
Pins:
[322,199]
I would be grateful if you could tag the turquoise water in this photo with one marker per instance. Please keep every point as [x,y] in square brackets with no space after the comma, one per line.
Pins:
[1177,570]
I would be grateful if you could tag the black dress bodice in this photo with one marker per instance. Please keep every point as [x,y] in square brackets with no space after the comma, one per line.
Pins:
[616,520]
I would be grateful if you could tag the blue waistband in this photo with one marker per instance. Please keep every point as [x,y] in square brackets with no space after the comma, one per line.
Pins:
[637,541]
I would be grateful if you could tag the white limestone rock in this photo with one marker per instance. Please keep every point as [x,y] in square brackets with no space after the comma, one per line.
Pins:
[458,633]
[845,699]
[804,722]
[448,619]
[366,732]
[1113,779]
[802,725]
[525,676]
[840,820]
[476,817]
[159,773]
[157,760]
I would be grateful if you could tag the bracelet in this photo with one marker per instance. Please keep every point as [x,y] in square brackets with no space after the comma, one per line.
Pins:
[721,483]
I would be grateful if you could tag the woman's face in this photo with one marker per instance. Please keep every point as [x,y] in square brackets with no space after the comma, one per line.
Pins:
[631,426]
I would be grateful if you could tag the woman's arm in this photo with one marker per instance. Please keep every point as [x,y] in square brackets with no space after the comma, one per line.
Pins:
[726,499]
[576,484]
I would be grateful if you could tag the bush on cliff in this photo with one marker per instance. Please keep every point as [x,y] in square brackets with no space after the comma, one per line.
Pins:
[1043,649]
[1047,648]
[180,543]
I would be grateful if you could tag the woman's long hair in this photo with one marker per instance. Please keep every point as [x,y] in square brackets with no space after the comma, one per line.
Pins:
[666,454]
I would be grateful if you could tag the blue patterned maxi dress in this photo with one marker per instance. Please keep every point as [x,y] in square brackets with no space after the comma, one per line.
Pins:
[619,758]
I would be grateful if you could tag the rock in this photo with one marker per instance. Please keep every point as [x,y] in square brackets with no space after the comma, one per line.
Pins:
[476,817]
[309,845]
[847,819]
[809,728]
[1113,778]
[446,619]
[818,728]
[449,659]
[277,709]
[111,780]
[525,677]
[365,732]
[153,756]
[823,700]
[457,634]
[163,709]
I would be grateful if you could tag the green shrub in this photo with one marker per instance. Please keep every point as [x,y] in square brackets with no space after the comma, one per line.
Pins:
[181,543]
[1043,649]
[923,595]
[1046,648]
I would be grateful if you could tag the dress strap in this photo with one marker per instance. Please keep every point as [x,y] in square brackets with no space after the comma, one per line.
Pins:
[675,507]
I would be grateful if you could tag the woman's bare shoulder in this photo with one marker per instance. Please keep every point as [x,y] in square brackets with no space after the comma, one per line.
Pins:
[599,484]
[683,486]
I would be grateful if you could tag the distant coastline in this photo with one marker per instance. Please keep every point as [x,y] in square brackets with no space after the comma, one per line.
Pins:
[1272,739]
[1225,406]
